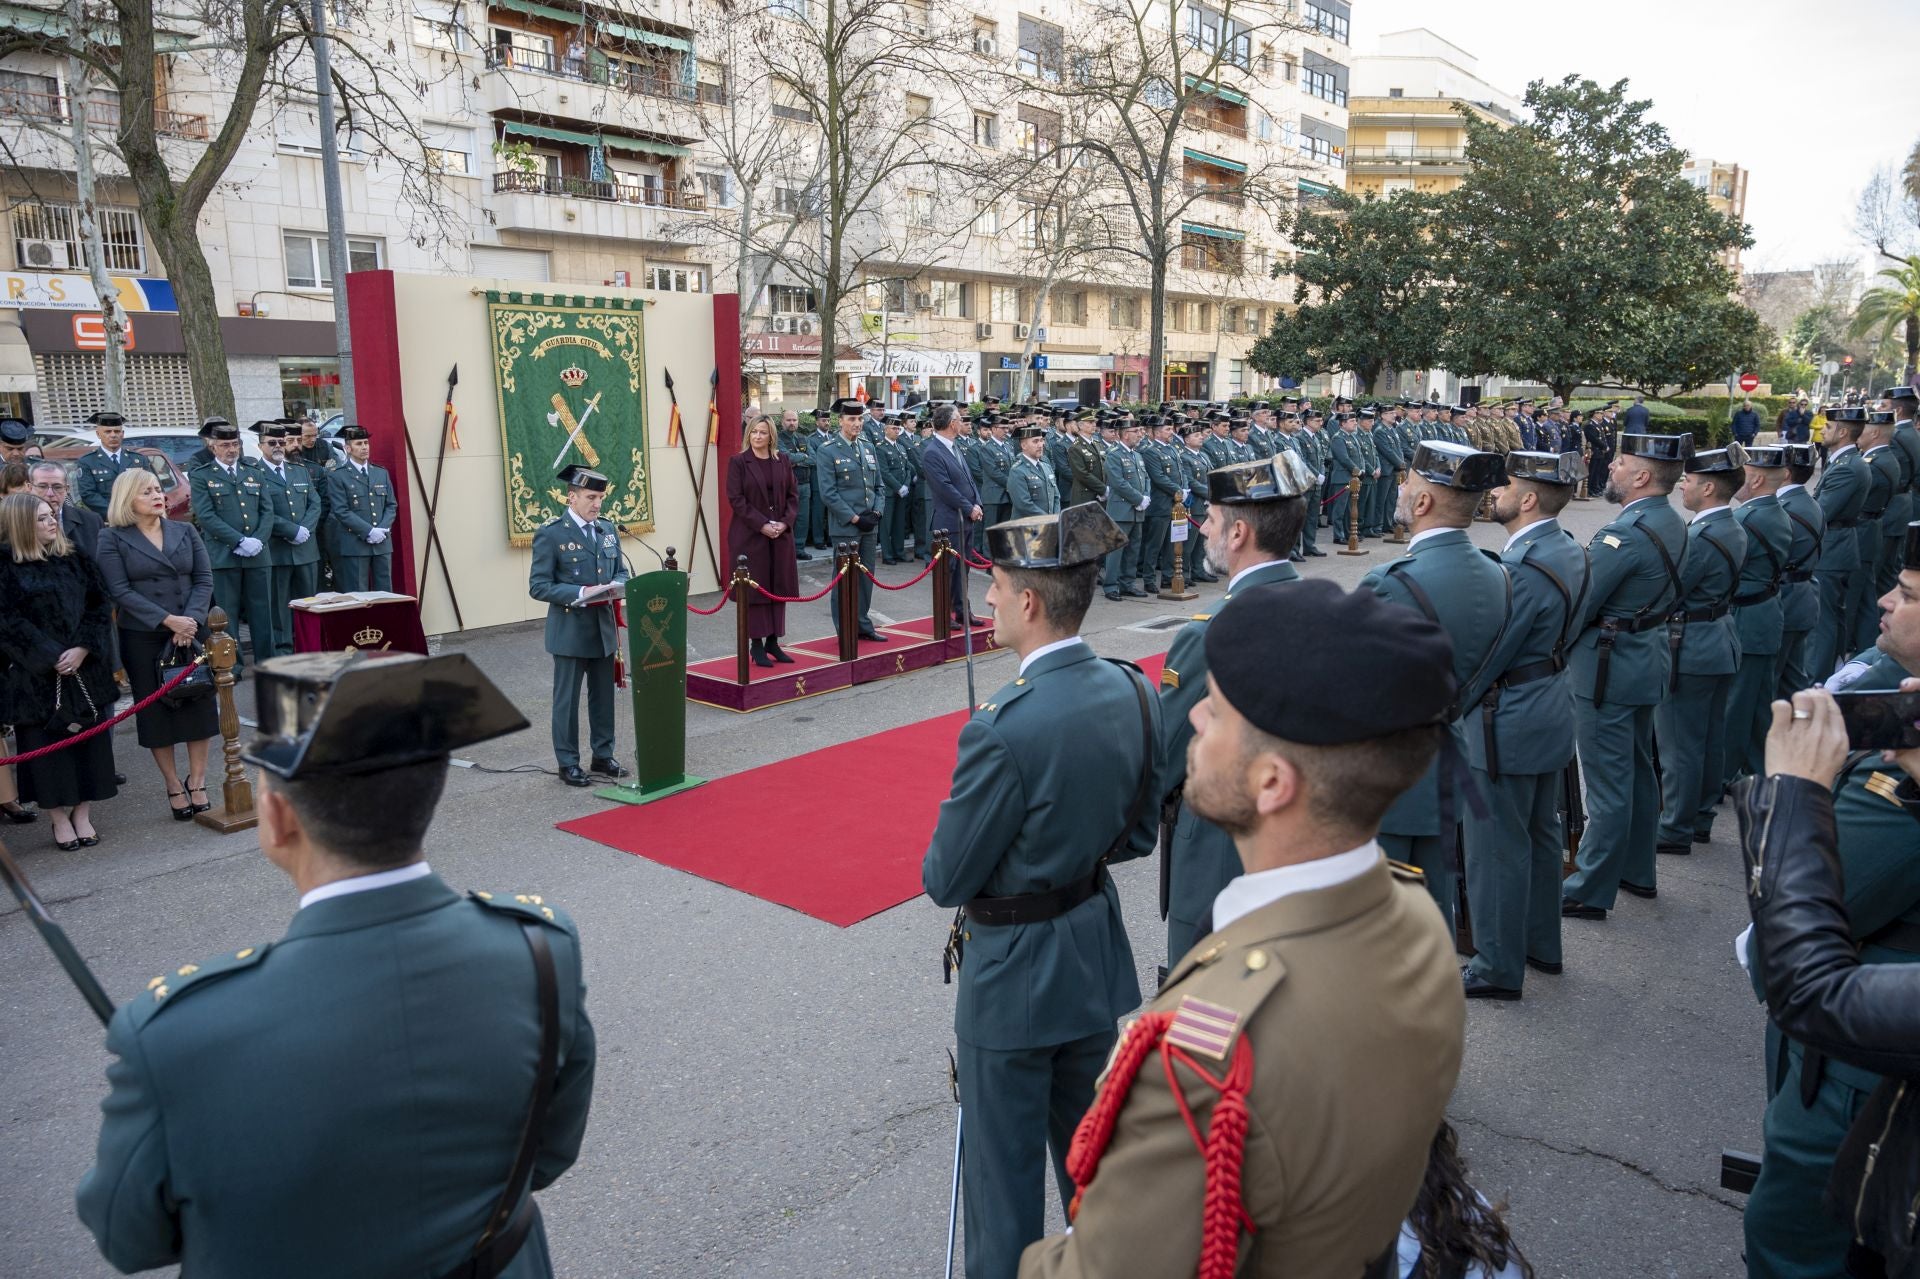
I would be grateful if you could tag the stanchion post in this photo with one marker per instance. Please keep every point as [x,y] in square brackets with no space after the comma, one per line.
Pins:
[942,586]
[236,792]
[1399,535]
[1353,546]
[740,588]
[1180,529]
[847,610]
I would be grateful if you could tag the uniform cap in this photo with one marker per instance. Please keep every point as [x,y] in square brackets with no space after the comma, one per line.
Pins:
[847,406]
[1544,468]
[1457,466]
[207,424]
[352,432]
[1846,413]
[1355,666]
[1717,461]
[1767,456]
[1800,455]
[1658,448]
[271,430]
[1078,535]
[221,430]
[14,431]
[1899,393]
[1029,432]
[1879,417]
[106,417]
[1268,479]
[351,713]
[580,477]
[1188,428]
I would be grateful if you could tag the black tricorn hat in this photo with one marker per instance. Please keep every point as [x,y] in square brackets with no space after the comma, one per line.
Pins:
[1029,432]
[1912,557]
[1544,468]
[1879,417]
[1717,461]
[1187,427]
[1078,535]
[1767,456]
[349,713]
[353,432]
[1846,413]
[271,429]
[1458,466]
[1899,393]
[208,424]
[1267,479]
[1800,455]
[576,476]
[221,431]
[847,406]
[14,431]
[106,417]
[1658,448]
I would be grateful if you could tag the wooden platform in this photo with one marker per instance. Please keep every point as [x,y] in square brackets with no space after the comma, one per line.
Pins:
[817,668]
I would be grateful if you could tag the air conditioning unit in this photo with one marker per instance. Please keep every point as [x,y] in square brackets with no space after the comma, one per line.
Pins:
[1020,332]
[784,323]
[986,46]
[923,301]
[983,330]
[806,323]
[46,255]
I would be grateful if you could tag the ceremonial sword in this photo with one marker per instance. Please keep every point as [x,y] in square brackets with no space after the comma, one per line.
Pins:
[55,937]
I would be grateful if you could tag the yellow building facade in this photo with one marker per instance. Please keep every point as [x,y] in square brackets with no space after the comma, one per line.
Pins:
[1409,144]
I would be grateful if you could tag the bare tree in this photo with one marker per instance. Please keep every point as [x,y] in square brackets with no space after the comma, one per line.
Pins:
[1887,216]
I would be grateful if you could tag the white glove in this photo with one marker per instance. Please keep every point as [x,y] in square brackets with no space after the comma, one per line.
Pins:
[903,490]
[248,547]
[375,536]
[1144,503]
[301,534]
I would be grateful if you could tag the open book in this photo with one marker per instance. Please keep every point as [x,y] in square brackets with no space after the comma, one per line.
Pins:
[332,601]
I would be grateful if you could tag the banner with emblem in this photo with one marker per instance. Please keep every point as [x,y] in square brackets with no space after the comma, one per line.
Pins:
[570,374]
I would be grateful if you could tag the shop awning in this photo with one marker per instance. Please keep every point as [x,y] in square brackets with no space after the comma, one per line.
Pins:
[550,134]
[645,146]
[1201,157]
[16,361]
[638,35]
[1217,232]
[1209,87]
[573,17]
[1314,188]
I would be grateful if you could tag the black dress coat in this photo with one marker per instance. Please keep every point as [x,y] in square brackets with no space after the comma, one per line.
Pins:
[52,605]
[762,491]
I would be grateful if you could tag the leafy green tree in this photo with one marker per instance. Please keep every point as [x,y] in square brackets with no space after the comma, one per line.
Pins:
[1579,255]
[1368,292]
[1893,305]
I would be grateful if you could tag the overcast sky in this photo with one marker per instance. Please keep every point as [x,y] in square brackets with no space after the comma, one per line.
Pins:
[1802,96]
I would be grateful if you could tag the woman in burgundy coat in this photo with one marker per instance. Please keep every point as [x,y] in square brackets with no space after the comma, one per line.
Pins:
[764,496]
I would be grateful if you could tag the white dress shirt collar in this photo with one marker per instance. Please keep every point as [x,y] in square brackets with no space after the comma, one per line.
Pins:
[1432,532]
[1788,488]
[366,883]
[1839,453]
[585,527]
[1248,893]
[1523,532]
[1711,510]
[1234,581]
[1044,649]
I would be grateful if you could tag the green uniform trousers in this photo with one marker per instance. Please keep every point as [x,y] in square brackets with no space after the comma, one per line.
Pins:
[870,556]
[1830,641]
[1125,565]
[290,582]
[1428,852]
[1156,552]
[893,528]
[567,674]
[363,572]
[1623,801]
[247,595]
[1794,674]
[1863,617]
[1749,714]
[1691,726]
[1788,1232]
[1513,875]
[803,525]
[1021,1106]
[1368,486]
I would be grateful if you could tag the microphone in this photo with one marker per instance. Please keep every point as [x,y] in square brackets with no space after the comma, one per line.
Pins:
[656,555]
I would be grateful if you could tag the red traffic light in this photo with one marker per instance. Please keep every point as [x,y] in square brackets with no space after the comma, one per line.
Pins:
[1846,359]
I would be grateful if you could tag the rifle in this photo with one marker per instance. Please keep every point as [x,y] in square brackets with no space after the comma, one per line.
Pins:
[1573,805]
[55,937]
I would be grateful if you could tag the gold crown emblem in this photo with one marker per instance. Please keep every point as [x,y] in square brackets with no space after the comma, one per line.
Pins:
[368,636]
[657,604]
[573,375]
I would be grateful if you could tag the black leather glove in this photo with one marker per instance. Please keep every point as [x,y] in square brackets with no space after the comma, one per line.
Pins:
[1818,992]
[867,521]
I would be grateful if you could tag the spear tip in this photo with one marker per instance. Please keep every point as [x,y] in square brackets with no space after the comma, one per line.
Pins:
[453,378]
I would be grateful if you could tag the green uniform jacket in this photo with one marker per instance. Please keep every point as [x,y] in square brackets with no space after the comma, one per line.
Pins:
[1716,547]
[1220,449]
[1472,594]
[794,445]
[895,474]
[1757,626]
[1629,578]
[1907,440]
[344,1101]
[847,478]
[1532,725]
[1343,456]
[1058,443]
[1048,770]
[1086,461]
[229,508]
[1202,856]
[296,505]
[566,558]
[1163,477]
[990,462]
[1031,488]
[1126,484]
[95,472]
[1800,601]
[1842,495]
[356,504]
[1387,444]
[1886,494]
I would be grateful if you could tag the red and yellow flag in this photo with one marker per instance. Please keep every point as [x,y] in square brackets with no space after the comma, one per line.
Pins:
[453,424]
[673,425]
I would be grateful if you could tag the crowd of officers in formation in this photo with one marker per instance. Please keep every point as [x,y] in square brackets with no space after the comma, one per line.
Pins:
[275,526]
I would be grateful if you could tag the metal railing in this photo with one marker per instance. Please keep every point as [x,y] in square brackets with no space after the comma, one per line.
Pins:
[1200,257]
[1407,155]
[1201,119]
[1233,195]
[659,197]
[26,104]
[613,74]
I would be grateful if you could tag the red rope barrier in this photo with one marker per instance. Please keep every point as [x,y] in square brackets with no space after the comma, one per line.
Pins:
[799,599]
[904,585]
[104,725]
[725,599]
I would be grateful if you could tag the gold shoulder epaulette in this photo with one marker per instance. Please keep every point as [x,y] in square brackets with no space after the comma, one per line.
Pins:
[1412,874]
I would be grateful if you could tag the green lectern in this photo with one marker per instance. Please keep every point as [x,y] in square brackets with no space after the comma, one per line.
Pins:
[657,670]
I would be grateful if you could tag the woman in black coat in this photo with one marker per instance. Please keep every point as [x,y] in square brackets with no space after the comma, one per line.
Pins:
[159,577]
[53,635]
[764,496]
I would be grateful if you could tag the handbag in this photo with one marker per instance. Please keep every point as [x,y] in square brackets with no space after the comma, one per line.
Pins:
[196,686]
[71,714]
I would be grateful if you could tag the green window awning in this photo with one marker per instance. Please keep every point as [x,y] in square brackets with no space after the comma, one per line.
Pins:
[1201,157]
[1314,188]
[1225,95]
[646,146]
[1217,232]
[53,24]
[551,134]
[572,17]
[636,35]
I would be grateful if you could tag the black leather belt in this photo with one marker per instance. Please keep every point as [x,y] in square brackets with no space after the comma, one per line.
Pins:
[1633,625]
[1755,597]
[1034,908]
[1871,515]
[1799,575]
[1713,614]
[1532,671]
[1841,523]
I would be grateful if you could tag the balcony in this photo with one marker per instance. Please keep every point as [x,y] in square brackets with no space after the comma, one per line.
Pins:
[659,197]
[1218,122]
[1367,156]
[52,108]
[1224,257]
[611,74]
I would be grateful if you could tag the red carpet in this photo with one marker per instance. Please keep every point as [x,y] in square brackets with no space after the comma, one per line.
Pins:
[830,855]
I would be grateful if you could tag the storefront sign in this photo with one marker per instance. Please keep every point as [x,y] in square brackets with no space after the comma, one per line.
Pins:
[55,291]
[90,333]
[1068,362]
[916,362]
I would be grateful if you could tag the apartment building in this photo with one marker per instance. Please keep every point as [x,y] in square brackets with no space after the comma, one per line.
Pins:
[1407,116]
[1725,185]
[572,145]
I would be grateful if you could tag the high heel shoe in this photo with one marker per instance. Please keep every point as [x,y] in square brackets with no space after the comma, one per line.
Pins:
[757,649]
[17,815]
[200,807]
[777,653]
[180,814]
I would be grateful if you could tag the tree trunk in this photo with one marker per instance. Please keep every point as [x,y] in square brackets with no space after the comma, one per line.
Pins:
[1913,347]
[1033,330]
[1154,389]
[199,317]
[1565,390]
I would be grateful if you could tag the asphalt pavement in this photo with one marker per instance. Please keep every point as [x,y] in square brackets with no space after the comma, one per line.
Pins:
[772,1096]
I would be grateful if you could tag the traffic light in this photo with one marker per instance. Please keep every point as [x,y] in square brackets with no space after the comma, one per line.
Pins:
[1847,361]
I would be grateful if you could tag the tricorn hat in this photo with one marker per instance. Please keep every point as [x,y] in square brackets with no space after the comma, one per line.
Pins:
[14,431]
[1899,393]
[1846,413]
[1767,456]
[349,713]
[106,417]
[1458,466]
[847,406]
[1717,461]
[1563,469]
[575,476]
[1657,448]
[271,429]
[1078,535]
[1800,455]
[1267,479]
[353,432]
[1029,432]
[221,430]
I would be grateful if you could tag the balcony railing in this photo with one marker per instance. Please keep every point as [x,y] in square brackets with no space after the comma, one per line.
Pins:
[1200,119]
[1221,194]
[593,71]
[1406,155]
[1199,257]
[659,197]
[52,108]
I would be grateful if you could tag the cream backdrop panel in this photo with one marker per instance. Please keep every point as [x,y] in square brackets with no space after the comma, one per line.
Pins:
[443,321]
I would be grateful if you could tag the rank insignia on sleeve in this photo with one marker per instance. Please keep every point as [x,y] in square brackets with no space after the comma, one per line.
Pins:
[1205,1028]
[1884,785]
[1610,540]
[1169,678]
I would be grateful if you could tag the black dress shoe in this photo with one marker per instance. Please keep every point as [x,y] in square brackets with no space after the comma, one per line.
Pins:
[608,768]
[17,815]
[1477,987]
[1543,966]
[1674,850]
[1317,554]
[1639,890]
[1134,593]
[1571,909]
[572,776]
[889,559]
[868,633]
[119,779]
[1297,558]
[802,555]
[1707,838]
[1113,595]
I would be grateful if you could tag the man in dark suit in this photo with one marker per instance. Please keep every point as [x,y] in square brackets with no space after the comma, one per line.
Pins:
[954,501]
[1634,420]
[81,526]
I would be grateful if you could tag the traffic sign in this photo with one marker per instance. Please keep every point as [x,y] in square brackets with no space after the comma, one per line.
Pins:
[1749,382]
[1830,367]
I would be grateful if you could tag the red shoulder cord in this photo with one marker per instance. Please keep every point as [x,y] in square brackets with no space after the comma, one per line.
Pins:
[619,662]
[1223,1214]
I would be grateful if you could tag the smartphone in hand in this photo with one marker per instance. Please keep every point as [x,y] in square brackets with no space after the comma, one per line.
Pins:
[1882,721]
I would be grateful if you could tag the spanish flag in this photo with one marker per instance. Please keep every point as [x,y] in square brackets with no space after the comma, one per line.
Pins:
[673,425]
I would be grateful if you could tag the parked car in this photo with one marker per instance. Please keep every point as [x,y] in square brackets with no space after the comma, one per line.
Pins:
[173,479]
[177,442]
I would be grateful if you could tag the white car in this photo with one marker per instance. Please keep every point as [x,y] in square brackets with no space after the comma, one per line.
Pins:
[177,442]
